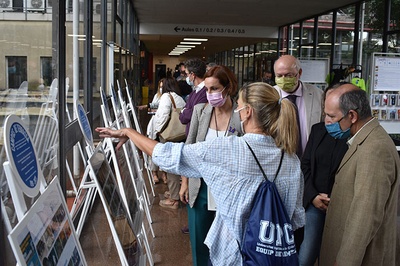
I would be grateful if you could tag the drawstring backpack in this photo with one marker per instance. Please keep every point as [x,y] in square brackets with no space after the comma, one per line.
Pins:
[268,237]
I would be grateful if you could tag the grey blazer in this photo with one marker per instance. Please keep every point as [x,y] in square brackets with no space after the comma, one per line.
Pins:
[199,125]
[312,97]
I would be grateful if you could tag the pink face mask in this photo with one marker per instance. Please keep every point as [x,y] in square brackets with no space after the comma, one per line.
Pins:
[216,99]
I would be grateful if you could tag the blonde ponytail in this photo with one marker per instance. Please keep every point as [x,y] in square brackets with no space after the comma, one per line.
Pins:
[285,131]
[276,117]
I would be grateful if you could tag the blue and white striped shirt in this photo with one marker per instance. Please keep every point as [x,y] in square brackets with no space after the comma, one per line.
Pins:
[229,169]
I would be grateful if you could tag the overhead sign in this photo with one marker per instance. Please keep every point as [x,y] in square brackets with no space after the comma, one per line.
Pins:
[209,30]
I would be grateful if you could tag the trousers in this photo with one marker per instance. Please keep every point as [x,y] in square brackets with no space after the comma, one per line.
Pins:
[200,220]
[309,249]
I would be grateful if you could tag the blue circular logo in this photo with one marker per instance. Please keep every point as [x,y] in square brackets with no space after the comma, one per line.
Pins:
[23,154]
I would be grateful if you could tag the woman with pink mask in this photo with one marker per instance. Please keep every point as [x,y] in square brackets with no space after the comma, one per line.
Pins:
[209,120]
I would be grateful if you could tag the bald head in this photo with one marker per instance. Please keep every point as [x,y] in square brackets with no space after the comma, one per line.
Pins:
[287,73]
[288,62]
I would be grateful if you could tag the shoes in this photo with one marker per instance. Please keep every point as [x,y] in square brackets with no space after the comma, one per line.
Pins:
[167,194]
[185,230]
[167,203]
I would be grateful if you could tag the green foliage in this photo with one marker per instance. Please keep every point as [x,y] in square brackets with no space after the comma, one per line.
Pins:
[374,14]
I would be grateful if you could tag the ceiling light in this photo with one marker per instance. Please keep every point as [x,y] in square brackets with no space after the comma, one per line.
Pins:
[195,40]
[77,35]
[186,46]
[197,43]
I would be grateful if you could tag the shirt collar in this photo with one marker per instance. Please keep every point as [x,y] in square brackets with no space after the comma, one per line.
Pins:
[298,92]
[199,87]
[351,140]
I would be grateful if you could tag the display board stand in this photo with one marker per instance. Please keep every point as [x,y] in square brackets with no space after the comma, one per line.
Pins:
[131,109]
[125,183]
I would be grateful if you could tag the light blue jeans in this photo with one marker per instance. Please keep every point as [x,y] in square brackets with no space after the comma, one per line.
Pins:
[309,249]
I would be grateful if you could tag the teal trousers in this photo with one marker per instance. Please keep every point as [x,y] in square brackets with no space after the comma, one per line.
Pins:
[200,220]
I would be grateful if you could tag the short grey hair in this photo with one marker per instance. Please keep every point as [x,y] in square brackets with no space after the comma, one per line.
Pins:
[356,100]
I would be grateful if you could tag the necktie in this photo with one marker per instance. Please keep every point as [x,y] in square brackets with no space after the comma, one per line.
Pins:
[292,98]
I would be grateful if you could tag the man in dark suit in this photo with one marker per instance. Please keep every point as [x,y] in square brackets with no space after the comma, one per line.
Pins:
[361,217]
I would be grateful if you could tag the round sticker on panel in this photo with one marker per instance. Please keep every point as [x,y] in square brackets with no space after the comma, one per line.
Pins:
[84,123]
[21,155]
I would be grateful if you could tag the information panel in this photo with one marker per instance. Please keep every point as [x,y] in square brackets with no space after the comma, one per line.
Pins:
[46,236]
[386,73]
[314,70]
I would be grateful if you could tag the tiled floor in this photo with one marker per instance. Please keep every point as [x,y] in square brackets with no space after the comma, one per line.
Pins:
[170,247]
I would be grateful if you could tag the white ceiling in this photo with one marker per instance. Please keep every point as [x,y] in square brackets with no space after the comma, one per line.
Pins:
[258,13]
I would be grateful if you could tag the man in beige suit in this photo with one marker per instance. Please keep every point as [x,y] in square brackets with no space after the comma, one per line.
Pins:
[360,226]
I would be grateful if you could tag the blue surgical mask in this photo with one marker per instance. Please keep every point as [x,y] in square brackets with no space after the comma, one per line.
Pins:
[189,82]
[336,132]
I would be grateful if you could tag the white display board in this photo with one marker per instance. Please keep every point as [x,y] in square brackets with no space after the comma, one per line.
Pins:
[385,88]
[386,72]
[46,235]
[315,70]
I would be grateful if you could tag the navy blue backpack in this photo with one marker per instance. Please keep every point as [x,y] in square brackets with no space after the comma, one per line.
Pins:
[268,237]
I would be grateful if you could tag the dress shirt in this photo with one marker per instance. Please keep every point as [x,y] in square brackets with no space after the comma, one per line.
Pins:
[230,171]
[350,141]
[199,87]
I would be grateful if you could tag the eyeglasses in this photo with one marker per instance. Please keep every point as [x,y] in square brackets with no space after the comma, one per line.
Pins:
[288,75]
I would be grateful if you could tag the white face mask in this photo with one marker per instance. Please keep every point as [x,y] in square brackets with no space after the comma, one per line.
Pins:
[189,82]
[242,126]
[241,121]
[161,90]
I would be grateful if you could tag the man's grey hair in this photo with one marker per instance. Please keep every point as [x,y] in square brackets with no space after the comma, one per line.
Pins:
[356,100]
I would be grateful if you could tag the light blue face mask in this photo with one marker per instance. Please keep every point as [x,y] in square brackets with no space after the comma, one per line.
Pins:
[336,132]
[189,82]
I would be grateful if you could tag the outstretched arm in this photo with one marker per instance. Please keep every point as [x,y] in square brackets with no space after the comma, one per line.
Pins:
[142,142]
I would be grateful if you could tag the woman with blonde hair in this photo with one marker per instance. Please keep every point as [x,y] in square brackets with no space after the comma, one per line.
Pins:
[229,168]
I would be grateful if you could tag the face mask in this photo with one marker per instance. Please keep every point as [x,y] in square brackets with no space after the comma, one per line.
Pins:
[241,126]
[190,83]
[287,84]
[242,121]
[161,90]
[336,132]
[216,99]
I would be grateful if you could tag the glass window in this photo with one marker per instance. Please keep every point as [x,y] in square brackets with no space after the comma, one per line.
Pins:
[344,37]
[46,70]
[16,71]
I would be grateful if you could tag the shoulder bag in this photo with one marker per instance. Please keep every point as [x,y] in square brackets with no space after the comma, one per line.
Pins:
[174,130]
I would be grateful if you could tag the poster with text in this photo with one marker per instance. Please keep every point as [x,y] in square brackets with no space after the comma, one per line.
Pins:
[46,236]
